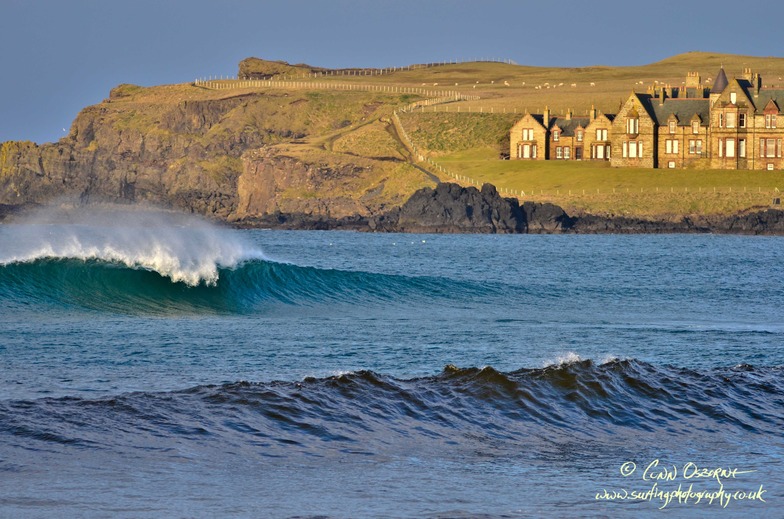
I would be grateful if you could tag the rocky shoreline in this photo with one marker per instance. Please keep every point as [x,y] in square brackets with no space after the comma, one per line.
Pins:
[453,209]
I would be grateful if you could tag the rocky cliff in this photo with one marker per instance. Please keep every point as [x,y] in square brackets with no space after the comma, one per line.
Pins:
[233,157]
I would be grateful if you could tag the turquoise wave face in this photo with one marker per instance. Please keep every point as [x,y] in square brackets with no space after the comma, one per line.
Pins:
[249,287]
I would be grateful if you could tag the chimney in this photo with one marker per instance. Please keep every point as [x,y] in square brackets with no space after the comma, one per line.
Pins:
[756,83]
[662,96]
[546,117]
[569,114]
[592,113]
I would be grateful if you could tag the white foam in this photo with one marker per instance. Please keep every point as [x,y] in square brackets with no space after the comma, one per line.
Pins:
[569,357]
[183,247]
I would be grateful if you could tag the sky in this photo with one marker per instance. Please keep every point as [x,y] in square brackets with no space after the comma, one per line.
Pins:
[60,56]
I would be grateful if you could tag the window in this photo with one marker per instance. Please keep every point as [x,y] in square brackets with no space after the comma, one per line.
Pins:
[770,148]
[671,146]
[558,152]
[579,135]
[673,124]
[632,126]
[599,151]
[556,135]
[733,97]
[695,146]
[741,120]
[671,164]
[695,127]
[633,149]
[607,151]
[601,134]
[567,152]
[528,134]
[721,120]
[699,146]
[730,148]
[742,148]
[770,121]
[730,120]
[533,151]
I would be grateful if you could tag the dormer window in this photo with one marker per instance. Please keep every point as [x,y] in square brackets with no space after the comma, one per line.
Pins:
[673,124]
[695,126]
[770,120]
[556,135]
[579,135]
[733,97]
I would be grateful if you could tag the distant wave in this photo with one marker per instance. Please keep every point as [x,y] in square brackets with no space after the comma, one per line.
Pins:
[373,412]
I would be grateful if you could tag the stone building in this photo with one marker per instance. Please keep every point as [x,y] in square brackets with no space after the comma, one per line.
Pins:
[547,137]
[737,124]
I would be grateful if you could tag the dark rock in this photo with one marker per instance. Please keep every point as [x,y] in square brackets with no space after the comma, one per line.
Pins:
[451,208]
[546,218]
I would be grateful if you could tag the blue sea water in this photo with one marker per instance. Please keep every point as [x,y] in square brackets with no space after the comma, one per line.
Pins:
[154,365]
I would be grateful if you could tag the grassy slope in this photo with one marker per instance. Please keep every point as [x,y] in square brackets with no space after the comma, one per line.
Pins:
[343,126]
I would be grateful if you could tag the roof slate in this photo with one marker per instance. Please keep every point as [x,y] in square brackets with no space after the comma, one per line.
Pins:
[683,109]
[720,83]
[568,126]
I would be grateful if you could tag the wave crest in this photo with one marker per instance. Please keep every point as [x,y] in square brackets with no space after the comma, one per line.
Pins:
[181,247]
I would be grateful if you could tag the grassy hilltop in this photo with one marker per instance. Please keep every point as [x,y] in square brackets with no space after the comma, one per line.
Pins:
[320,141]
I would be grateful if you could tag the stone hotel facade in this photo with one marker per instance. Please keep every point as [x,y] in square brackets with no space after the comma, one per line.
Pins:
[735,124]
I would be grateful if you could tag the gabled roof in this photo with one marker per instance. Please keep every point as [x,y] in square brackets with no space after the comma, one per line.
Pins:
[647,101]
[769,99]
[720,83]
[568,126]
[683,109]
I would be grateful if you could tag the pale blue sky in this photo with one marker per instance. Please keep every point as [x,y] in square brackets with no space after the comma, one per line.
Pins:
[60,56]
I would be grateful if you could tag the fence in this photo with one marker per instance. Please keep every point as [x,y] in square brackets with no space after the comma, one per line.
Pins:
[367,71]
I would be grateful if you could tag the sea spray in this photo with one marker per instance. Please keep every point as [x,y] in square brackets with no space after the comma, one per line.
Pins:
[182,247]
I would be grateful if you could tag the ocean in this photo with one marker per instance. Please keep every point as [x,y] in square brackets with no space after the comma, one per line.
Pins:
[153,364]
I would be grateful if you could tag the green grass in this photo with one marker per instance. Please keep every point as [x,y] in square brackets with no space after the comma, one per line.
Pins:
[595,187]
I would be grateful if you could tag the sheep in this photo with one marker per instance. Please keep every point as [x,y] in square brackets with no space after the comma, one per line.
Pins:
[593,84]
[506,83]
[573,85]
[560,84]
[435,84]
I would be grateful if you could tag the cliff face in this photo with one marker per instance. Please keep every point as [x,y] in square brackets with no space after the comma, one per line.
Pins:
[209,153]
[116,152]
